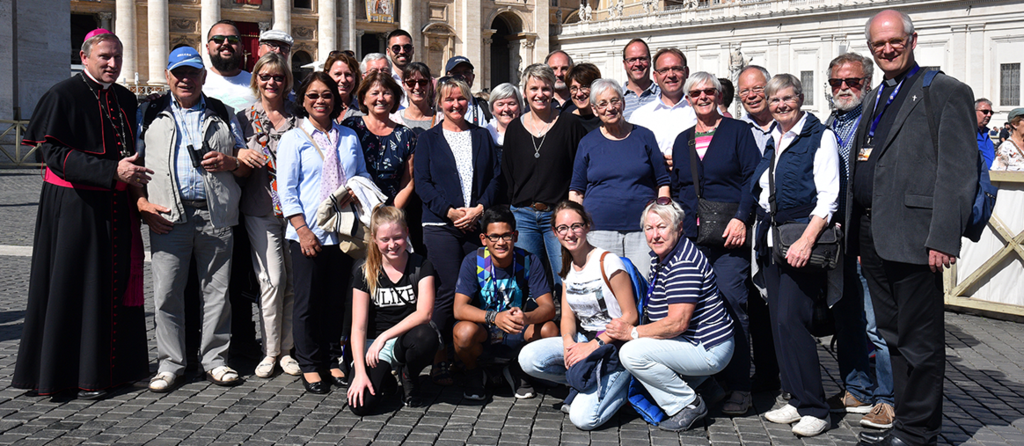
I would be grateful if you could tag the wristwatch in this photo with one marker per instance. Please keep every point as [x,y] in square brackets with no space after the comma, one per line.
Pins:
[600,343]
[633,334]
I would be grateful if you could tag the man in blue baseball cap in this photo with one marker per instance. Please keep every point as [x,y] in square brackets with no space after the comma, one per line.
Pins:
[460,67]
[190,141]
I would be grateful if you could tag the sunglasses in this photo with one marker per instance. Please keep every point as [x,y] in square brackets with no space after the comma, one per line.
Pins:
[412,83]
[275,77]
[707,91]
[407,48]
[663,201]
[852,82]
[985,112]
[337,53]
[314,96]
[219,39]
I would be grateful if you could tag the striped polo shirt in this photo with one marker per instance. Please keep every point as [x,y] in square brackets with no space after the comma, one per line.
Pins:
[686,277]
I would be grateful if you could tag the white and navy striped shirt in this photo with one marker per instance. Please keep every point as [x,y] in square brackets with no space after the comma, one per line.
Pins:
[686,277]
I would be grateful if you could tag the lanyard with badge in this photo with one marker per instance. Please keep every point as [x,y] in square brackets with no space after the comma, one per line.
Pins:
[865,152]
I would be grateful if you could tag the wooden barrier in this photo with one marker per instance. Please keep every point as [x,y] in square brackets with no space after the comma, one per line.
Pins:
[987,279]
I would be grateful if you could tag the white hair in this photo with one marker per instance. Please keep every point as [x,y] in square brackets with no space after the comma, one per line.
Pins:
[908,25]
[372,57]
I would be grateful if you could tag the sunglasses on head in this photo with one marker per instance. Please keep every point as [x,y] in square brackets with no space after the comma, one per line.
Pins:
[275,77]
[852,82]
[407,48]
[219,39]
[660,200]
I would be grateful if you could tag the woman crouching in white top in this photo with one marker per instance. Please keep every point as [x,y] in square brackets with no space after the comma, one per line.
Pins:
[591,297]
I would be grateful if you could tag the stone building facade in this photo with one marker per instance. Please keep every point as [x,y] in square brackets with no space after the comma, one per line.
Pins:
[979,42]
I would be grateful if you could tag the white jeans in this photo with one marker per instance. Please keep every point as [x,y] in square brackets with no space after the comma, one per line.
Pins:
[670,368]
[631,245]
[272,262]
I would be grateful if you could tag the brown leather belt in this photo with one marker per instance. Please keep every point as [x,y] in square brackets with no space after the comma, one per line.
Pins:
[541,207]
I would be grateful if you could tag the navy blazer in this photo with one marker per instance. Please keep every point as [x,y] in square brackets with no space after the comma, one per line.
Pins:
[437,176]
[726,172]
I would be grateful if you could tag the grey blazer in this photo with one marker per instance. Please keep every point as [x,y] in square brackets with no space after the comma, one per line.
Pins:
[922,192]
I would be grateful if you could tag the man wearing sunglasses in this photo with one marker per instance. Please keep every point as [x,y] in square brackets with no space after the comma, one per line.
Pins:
[849,77]
[983,110]
[400,51]
[225,79]
[276,41]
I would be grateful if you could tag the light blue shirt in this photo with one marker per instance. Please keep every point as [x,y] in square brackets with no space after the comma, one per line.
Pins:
[189,125]
[298,174]
[632,101]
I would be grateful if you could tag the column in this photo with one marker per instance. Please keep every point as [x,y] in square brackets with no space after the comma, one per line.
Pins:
[977,58]
[327,25]
[471,39]
[124,28]
[283,15]
[485,64]
[541,21]
[209,15]
[159,40]
[350,27]
[409,21]
[105,18]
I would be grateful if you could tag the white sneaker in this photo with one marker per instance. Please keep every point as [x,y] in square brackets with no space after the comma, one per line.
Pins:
[810,426]
[290,365]
[785,415]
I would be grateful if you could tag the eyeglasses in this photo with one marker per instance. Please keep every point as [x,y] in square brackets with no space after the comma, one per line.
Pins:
[710,92]
[275,77]
[635,60]
[315,96]
[787,99]
[503,237]
[897,43]
[407,48]
[610,103]
[219,39]
[575,227]
[852,82]
[985,112]
[677,69]
[412,83]
[277,45]
[584,90]
[754,90]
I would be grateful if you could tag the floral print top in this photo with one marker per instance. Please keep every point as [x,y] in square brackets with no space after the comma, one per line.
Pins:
[386,156]
[1009,157]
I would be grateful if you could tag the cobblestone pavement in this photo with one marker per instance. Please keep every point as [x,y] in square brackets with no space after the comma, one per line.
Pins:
[984,392]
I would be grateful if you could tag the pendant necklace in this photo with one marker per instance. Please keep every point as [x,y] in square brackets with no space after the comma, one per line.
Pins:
[533,139]
[118,130]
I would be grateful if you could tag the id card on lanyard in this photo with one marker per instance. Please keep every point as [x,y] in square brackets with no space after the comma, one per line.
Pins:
[865,151]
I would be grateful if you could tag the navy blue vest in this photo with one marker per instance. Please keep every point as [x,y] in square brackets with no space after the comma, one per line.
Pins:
[795,192]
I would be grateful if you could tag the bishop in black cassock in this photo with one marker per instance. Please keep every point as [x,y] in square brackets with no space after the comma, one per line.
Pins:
[84,322]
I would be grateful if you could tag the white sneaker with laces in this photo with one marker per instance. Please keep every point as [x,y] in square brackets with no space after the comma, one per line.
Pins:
[810,426]
[785,415]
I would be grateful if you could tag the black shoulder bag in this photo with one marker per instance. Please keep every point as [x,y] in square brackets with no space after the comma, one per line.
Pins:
[826,251]
[712,216]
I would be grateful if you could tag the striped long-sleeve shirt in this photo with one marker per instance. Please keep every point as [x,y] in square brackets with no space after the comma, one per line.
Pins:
[686,277]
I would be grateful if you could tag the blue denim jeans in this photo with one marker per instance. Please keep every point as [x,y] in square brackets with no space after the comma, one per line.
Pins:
[536,236]
[544,359]
[671,368]
[883,392]
[851,341]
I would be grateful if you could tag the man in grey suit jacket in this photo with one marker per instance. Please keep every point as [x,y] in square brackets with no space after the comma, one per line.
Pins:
[918,194]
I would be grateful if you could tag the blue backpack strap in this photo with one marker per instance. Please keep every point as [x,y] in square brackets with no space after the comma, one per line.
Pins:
[483,267]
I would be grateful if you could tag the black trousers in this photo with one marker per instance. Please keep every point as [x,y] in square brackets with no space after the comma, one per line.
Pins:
[321,284]
[791,303]
[446,248]
[414,348]
[908,301]
[732,271]
[766,365]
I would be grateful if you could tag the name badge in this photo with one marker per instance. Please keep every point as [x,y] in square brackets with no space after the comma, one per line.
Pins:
[864,153]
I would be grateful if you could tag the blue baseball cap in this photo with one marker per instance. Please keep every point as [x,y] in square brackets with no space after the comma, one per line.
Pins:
[455,61]
[184,56]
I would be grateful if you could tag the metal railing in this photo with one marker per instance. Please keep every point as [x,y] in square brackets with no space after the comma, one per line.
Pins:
[15,154]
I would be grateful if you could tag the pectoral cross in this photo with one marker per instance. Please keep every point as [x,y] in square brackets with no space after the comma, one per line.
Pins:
[915,98]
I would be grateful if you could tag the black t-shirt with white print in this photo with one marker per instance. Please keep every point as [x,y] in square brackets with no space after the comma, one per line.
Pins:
[393,301]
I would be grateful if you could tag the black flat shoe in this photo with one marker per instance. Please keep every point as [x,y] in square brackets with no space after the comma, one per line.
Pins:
[339,382]
[91,394]
[887,439]
[320,387]
[873,437]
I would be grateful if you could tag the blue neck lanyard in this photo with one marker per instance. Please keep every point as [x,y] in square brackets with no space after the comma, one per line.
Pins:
[853,130]
[892,97]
